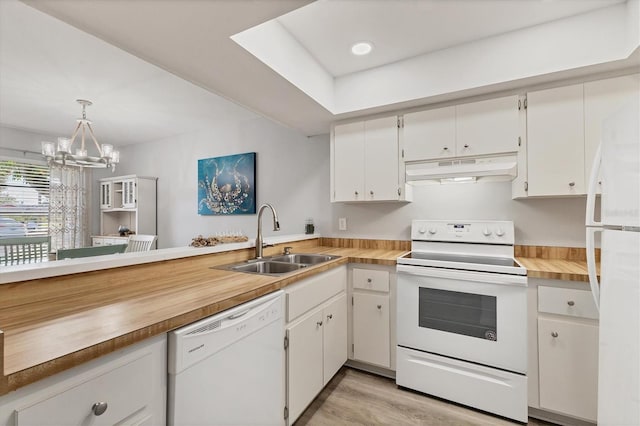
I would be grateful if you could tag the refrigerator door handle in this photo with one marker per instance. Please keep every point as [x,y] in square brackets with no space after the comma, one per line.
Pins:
[591,193]
[591,265]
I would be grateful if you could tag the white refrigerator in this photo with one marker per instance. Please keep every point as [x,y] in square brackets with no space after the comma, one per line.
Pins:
[618,293]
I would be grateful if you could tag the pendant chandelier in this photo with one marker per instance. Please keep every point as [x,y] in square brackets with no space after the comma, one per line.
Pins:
[62,152]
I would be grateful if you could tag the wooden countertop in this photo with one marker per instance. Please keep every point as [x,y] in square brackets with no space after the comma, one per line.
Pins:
[53,324]
[556,269]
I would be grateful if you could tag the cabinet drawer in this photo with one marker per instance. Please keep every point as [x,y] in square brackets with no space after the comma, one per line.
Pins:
[125,389]
[368,279]
[567,301]
[310,293]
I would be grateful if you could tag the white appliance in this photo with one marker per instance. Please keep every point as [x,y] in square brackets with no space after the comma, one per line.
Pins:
[228,369]
[462,316]
[618,294]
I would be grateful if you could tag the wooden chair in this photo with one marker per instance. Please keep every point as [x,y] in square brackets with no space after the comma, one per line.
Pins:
[140,242]
[20,250]
[90,251]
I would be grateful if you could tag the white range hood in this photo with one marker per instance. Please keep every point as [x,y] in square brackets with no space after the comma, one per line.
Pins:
[493,168]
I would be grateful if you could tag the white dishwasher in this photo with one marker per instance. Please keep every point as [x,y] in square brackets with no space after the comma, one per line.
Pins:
[229,369]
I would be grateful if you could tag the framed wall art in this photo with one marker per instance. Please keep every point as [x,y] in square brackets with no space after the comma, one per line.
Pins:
[227,185]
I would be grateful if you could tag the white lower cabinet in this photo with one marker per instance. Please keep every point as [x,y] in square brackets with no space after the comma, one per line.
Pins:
[372,294]
[316,336]
[127,387]
[371,329]
[567,350]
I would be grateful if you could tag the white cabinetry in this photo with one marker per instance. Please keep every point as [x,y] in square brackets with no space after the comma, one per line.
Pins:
[373,316]
[365,161]
[555,141]
[567,348]
[474,129]
[564,126]
[602,99]
[129,201]
[316,336]
[129,385]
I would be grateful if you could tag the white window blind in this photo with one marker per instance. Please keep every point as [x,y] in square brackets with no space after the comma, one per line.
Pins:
[24,199]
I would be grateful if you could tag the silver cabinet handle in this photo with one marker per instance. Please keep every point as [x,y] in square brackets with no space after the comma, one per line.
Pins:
[571,303]
[554,334]
[330,316]
[379,306]
[99,408]
[319,323]
[572,184]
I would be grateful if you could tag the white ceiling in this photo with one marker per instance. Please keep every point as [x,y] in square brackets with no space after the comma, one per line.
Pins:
[402,29]
[46,64]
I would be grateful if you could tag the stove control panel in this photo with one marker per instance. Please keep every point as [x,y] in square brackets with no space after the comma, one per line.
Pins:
[465,231]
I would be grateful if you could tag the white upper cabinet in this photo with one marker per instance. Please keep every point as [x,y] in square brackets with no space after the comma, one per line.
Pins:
[348,162]
[603,98]
[430,134]
[555,139]
[473,129]
[381,159]
[365,161]
[487,127]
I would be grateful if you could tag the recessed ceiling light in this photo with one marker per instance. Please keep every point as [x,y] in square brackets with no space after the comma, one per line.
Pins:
[362,48]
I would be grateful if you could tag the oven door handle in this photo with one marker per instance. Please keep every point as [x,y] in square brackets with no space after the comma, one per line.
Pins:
[485,277]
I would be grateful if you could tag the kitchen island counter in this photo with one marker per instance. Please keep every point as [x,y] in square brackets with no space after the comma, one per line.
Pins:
[55,323]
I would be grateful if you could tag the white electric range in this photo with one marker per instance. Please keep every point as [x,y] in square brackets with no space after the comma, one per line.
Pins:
[462,316]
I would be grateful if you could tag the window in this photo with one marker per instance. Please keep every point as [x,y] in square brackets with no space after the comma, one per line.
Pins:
[24,199]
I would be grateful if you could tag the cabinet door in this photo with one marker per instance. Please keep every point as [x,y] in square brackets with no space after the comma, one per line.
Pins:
[602,99]
[348,162]
[430,134]
[129,194]
[335,337]
[106,190]
[568,363]
[381,159]
[555,141]
[487,127]
[371,328]
[304,363]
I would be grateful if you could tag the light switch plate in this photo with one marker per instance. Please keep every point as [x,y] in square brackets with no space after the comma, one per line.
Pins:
[342,224]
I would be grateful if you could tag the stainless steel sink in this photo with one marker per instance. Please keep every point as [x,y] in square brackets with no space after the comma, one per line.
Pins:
[267,267]
[306,259]
[278,265]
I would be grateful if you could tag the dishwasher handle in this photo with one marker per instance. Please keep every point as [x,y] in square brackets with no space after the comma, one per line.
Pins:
[238,315]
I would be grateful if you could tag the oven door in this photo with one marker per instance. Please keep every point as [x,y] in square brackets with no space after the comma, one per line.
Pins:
[472,316]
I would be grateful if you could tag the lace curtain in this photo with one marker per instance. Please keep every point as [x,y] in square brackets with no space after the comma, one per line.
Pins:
[68,217]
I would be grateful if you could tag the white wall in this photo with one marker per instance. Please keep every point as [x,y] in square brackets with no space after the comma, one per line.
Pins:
[292,175]
[549,221]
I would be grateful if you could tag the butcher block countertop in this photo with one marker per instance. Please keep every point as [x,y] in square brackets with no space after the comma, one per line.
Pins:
[556,263]
[58,317]
[52,324]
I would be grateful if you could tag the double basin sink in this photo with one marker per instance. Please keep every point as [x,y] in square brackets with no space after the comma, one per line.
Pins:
[279,265]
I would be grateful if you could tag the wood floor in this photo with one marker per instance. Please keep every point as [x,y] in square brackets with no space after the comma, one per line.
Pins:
[357,398]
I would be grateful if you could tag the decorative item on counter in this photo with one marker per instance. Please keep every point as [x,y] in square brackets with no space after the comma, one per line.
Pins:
[220,238]
[308,227]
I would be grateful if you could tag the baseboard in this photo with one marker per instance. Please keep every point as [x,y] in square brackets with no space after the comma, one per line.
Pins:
[560,419]
[374,369]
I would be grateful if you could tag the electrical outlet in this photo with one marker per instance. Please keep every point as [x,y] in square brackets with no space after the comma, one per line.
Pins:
[342,224]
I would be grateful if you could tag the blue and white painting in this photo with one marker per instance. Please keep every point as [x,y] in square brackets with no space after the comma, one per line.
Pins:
[226,185]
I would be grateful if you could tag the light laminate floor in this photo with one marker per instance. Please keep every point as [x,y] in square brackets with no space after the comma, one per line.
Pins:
[357,398]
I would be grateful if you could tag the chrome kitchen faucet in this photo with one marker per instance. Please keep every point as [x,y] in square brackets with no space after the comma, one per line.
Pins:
[276,227]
